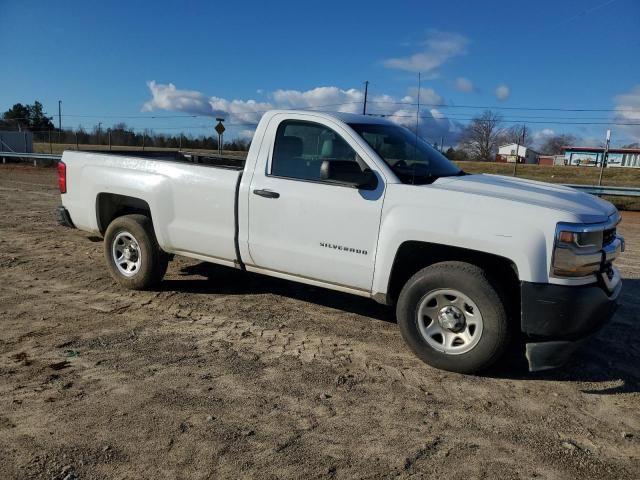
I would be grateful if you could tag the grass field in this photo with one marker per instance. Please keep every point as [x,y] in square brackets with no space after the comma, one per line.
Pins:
[619,177]
[622,177]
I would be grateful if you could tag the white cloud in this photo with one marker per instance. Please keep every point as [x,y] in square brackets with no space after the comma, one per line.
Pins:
[547,132]
[428,96]
[437,49]
[168,97]
[627,110]
[247,133]
[437,114]
[246,113]
[544,133]
[463,85]
[345,100]
[502,92]
[539,136]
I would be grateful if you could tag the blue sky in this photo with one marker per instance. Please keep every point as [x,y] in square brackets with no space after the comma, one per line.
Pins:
[100,57]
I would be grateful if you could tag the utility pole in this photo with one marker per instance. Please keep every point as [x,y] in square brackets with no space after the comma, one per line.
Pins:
[515,165]
[366,91]
[605,155]
[59,119]
[99,125]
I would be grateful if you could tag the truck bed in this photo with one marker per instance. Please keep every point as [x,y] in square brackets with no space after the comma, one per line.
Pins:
[232,163]
[191,197]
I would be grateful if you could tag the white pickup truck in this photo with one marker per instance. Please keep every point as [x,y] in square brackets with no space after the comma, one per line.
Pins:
[359,204]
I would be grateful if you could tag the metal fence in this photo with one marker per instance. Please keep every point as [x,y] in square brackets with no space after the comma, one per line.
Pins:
[592,189]
[34,156]
[605,190]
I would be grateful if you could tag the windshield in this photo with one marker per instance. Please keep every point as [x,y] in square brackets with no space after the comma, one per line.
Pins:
[414,162]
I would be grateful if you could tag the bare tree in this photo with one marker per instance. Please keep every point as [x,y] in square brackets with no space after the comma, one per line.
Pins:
[481,135]
[514,135]
[553,145]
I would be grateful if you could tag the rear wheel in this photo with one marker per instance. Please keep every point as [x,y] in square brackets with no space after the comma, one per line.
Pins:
[133,256]
[453,317]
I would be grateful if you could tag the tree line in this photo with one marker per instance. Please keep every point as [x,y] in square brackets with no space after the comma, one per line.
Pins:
[32,118]
[482,136]
[479,139]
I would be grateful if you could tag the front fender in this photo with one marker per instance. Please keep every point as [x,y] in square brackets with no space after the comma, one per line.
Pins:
[519,240]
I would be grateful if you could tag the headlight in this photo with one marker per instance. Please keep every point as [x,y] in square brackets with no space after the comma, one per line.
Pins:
[583,240]
[577,251]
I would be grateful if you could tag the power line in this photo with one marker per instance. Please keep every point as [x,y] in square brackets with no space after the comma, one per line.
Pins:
[551,122]
[197,115]
[495,107]
[311,107]
[183,127]
[202,115]
[424,117]
[543,117]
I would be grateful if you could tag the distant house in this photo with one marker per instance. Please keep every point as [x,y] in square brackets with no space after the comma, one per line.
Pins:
[592,156]
[507,153]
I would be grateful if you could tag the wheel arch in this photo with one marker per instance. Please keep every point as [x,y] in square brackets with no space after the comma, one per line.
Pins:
[112,205]
[412,256]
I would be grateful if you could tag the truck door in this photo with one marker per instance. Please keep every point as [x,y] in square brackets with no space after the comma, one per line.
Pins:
[303,225]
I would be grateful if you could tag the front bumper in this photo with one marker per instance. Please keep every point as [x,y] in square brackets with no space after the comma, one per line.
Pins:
[63,217]
[556,318]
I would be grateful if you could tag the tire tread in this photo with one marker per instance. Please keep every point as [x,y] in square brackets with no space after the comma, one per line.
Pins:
[475,360]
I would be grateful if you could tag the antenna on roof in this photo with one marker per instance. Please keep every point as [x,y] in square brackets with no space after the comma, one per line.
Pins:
[415,145]
[418,111]
[366,90]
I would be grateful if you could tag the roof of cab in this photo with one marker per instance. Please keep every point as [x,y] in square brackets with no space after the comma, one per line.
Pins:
[341,116]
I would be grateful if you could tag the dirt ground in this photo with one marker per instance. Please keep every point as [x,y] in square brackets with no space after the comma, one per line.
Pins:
[220,374]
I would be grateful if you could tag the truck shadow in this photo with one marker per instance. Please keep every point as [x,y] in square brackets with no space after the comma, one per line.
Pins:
[610,359]
[229,281]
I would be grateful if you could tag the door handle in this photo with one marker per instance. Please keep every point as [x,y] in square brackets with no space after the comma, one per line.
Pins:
[266,193]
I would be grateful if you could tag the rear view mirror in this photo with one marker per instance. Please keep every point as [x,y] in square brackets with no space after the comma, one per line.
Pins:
[348,173]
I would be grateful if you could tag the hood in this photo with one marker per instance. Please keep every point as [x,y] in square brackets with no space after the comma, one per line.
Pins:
[588,208]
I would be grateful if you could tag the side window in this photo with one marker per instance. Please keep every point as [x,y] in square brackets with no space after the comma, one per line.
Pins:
[301,147]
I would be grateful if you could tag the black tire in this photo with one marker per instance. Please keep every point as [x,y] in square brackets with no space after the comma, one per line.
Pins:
[153,261]
[474,283]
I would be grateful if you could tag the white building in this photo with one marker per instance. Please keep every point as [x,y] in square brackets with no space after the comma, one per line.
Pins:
[592,156]
[507,153]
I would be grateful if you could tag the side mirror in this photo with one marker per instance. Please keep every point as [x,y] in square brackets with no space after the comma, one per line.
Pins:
[348,173]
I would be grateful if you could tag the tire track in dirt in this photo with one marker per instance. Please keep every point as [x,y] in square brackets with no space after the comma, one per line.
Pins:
[242,337]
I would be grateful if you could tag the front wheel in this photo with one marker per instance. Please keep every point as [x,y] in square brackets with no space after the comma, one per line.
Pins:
[453,317]
[133,256]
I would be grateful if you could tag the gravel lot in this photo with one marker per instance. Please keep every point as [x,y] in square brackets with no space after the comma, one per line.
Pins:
[220,374]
